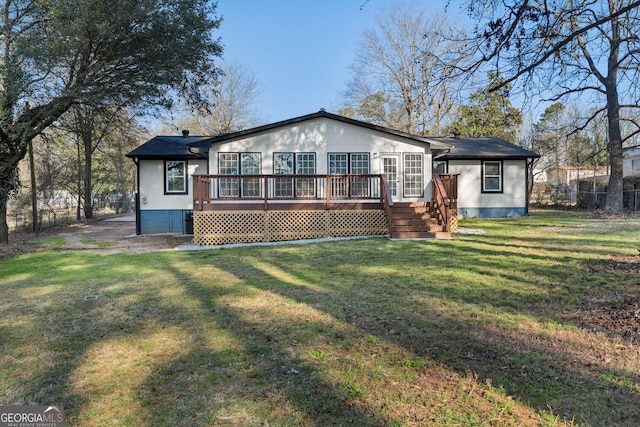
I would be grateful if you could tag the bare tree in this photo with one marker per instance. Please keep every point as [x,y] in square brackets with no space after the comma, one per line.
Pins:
[402,77]
[90,127]
[568,49]
[231,104]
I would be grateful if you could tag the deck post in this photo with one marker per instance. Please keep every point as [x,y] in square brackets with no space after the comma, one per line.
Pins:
[327,194]
[266,193]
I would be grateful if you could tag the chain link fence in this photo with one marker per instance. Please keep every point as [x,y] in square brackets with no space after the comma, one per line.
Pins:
[596,199]
[585,194]
[21,220]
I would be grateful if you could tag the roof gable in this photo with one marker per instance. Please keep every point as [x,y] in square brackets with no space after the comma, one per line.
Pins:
[320,114]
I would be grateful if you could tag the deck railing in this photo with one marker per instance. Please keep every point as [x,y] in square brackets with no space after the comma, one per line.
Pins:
[274,189]
[441,201]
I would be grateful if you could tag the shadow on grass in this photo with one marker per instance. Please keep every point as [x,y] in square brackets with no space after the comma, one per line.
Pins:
[534,370]
[430,311]
[196,385]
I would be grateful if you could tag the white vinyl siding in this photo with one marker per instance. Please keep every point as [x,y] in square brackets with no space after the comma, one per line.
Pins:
[321,137]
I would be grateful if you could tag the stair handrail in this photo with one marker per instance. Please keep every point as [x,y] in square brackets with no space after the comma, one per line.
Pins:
[442,201]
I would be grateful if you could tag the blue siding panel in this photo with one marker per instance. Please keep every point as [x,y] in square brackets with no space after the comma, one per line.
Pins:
[163,221]
[491,212]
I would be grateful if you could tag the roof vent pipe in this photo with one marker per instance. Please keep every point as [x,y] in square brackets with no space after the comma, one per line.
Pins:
[185,133]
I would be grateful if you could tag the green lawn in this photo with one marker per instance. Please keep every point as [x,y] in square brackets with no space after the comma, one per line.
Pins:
[474,331]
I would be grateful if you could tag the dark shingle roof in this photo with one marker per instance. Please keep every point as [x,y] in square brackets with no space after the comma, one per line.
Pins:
[483,148]
[195,147]
[169,147]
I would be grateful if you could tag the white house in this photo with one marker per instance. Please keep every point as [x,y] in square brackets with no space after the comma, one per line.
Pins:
[631,161]
[322,162]
[492,176]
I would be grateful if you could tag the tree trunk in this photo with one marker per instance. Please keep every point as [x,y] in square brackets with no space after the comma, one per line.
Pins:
[78,183]
[4,227]
[614,202]
[16,151]
[88,199]
[34,191]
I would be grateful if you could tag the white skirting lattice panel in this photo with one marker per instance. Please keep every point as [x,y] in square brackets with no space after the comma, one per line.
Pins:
[225,227]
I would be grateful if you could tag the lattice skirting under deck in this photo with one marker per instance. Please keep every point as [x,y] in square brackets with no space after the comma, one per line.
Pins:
[225,227]
[453,219]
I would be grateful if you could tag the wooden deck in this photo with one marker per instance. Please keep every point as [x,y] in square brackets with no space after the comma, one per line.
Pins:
[231,199]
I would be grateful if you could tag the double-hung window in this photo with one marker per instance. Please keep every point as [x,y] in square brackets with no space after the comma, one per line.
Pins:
[492,176]
[349,164]
[339,165]
[305,165]
[239,164]
[175,172]
[294,164]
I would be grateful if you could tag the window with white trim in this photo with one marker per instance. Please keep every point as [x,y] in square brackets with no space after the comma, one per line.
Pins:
[305,165]
[413,175]
[294,164]
[175,172]
[345,164]
[492,176]
[239,164]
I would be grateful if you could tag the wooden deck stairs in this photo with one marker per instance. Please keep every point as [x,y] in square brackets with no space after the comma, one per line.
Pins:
[415,221]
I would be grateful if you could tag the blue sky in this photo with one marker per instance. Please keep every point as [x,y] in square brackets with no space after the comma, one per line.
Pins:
[299,50]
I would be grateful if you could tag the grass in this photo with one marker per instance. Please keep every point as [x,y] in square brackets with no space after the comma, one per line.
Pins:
[472,331]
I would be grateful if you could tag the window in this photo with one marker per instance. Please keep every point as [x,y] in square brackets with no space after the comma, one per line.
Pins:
[250,164]
[339,165]
[440,167]
[239,164]
[359,165]
[305,165]
[349,163]
[298,164]
[175,172]
[491,176]
[283,165]
[228,165]
[413,179]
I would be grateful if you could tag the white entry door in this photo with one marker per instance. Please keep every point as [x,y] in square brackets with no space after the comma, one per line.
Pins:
[391,170]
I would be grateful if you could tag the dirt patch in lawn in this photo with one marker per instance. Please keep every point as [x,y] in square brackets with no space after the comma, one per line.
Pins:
[615,313]
[104,237]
